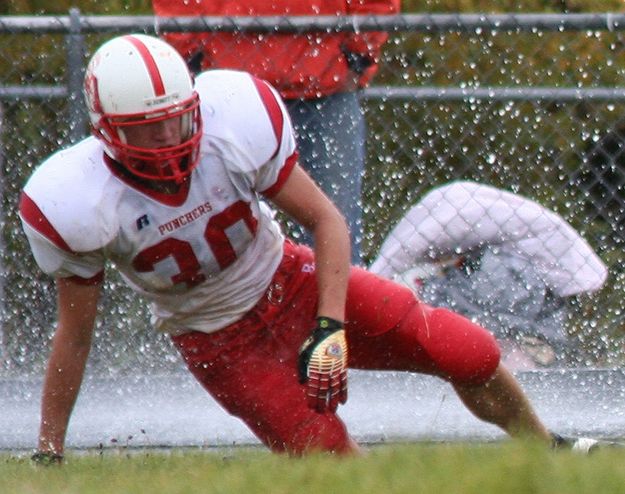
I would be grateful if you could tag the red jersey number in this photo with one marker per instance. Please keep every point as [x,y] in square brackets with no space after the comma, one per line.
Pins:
[182,253]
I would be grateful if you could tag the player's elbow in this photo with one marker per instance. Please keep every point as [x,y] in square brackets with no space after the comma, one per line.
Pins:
[330,221]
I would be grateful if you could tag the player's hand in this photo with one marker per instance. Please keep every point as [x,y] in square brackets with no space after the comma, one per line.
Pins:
[323,365]
[46,458]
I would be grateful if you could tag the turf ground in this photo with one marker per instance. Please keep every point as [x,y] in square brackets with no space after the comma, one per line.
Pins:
[503,467]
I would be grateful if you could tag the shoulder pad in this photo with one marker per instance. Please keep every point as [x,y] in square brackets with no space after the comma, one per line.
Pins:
[73,190]
[243,111]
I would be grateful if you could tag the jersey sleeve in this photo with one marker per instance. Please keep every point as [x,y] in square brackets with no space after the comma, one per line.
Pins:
[50,250]
[247,122]
[273,175]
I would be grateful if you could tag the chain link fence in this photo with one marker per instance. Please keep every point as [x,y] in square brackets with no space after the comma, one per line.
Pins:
[533,104]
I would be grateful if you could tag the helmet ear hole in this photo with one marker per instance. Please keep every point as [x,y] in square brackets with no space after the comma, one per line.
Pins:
[156,86]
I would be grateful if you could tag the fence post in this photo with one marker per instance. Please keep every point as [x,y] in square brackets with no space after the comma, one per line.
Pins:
[75,46]
[4,357]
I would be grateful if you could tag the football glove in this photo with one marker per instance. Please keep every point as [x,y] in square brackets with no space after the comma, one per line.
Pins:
[323,365]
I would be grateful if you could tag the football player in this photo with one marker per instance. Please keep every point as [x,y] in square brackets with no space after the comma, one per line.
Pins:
[171,190]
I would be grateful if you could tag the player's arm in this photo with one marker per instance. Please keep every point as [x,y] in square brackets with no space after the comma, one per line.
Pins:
[323,356]
[301,199]
[77,309]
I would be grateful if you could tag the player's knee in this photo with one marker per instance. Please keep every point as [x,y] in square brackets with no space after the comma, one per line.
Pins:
[464,352]
[322,432]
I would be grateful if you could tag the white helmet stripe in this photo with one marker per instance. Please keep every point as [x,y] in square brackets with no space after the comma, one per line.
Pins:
[150,64]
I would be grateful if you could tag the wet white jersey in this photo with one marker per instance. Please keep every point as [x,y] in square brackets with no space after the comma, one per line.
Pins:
[203,256]
[461,216]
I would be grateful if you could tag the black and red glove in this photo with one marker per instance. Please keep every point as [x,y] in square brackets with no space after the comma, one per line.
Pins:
[323,365]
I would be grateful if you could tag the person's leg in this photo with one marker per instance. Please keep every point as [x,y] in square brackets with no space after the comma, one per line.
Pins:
[259,386]
[501,401]
[331,141]
[412,336]
[250,367]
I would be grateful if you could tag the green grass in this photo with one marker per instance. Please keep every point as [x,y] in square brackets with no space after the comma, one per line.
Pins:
[509,467]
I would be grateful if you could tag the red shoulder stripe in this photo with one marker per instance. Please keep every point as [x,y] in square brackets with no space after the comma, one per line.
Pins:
[282,176]
[273,110]
[31,214]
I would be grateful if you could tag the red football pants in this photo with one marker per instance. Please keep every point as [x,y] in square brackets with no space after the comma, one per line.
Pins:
[250,367]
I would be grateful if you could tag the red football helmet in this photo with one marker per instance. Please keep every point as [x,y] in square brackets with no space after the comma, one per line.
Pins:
[136,80]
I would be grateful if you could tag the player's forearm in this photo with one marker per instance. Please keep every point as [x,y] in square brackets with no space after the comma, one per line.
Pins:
[332,254]
[62,384]
[301,199]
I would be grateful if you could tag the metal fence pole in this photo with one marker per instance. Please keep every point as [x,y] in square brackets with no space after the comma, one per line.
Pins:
[75,25]
[75,46]
[3,352]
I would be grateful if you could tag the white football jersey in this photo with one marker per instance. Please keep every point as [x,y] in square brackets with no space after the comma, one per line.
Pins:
[460,216]
[203,256]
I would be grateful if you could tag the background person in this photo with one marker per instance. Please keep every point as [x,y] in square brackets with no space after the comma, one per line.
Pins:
[498,258]
[318,74]
[169,190]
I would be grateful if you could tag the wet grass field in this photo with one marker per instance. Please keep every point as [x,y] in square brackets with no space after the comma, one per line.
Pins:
[485,468]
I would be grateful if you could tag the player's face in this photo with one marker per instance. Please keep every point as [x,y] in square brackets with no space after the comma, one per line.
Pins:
[154,135]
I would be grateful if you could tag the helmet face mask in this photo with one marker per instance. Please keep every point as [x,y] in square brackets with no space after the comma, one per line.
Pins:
[173,162]
[138,80]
